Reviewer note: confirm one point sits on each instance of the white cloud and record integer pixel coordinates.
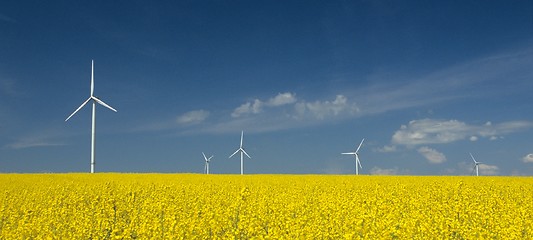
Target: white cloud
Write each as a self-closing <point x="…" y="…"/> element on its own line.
<point x="246" y="108"/>
<point x="282" y="99"/>
<point x="256" y="106"/>
<point x="447" y="84"/>
<point x="323" y="109"/>
<point x="428" y="131"/>
<point x="387" y="171"/>
<point x="35" y="141"/>
<point x="38" y="136"/>
<point x="283" y="111"/>
<point x="467" y="168"/>
<point x="193" y="117"/>
<point x="302" y="110"/>
<point x="336" y="167"/>
<point x="387" y="148"/>
<point x="6" y="18"/>
<point x="431" y="131"/>
<point x="432" y="155"/>
<point x="516" y="172"/>
<point x="485" y="169"/>
<point x="528" y="158"/>
<point x="8" y="87"/>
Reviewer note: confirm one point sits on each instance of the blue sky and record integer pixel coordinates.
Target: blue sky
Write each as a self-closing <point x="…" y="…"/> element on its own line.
<point x="424" y="82"/>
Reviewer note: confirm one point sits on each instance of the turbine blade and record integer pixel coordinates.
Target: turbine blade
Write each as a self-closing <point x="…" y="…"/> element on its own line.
<point x="103" y="103"/>
<point x="473" y="159"/>
<point x="234" y="153"/>
<point x="204" y="156"/>
<point x="360" y="144"/>
<point x="242" y="135"/>
<point x="92" y="77"/>
<point x="357" y="160"/>
<point x="349" y="153"/>
<point x="245" y="153"/>
<point x="83" y="104"/>
<point x="209" y="159"/>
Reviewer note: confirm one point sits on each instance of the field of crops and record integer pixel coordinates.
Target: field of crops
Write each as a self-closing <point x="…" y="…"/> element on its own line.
<point x="181" y="206"/>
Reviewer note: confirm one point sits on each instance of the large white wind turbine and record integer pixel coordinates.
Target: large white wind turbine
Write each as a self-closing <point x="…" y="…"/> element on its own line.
<point x="242" y="151"/>
<point x="356" y="154"/>
<point x="207" y="160"/>
<point x="476" y="165"/>
<point x="94" y="101"/>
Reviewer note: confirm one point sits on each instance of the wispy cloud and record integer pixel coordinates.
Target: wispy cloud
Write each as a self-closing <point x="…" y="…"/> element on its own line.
<point x="434" y="131"/>
<point x="247" y="108"/>
<point x="451" y="83"/>
<point x="448" y="84"/>
<point x="9" y="91"/>
<point x="6" y="18"/>
<point x="193" y="117"/>
<point x="324" y="109"/>
<point x="256" y="106"/>
<point x="485" y="169"/>
<point x="34" y="141"/>
<point x="8" y="87"/>
<point x="528" y="158"/>
<point x="432" y="155"/>
<point x="386" y="149"/>
<point x="285" y="110"/>
<point x="388" y="171"/>
<point x="336" y="167"/>
<point x="37" y="136"/>
<point x="282" y="99"/>
<point x="282" y="111"/>
<point x="467" y="168"/>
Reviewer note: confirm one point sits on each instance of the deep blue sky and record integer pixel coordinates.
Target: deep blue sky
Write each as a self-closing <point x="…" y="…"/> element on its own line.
<point x="425" y="82"/>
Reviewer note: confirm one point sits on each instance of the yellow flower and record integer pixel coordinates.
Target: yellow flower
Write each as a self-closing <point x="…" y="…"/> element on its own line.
<point x="180" y="206"/>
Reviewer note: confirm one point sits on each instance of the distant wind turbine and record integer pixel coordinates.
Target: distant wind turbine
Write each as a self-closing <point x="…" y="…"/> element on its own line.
<point x="476" y="165"/>
<point x="356" y="154"/>
<point x="94" y="101"/>
<point x="207" y="160"/>
<point x="241" y="149"/>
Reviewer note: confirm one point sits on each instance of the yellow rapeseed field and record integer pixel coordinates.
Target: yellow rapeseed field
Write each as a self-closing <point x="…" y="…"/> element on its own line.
<point x="191" y="206"/>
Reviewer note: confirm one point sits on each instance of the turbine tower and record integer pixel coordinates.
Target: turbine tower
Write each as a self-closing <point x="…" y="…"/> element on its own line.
<point x="476" y="165"/>
<point x="241" y="149"/>
<point x="356" y="154"/>
<point x="94" y="100"/>
<point x="207" y="160"/>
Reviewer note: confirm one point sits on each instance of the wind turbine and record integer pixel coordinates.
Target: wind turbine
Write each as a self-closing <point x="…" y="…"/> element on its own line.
<point x="207" y="160"/>
<point x="476" y="165"/>
<point x="94" y="100"/>
<point x="356" y="154"/>
<point x="242" y="151"/>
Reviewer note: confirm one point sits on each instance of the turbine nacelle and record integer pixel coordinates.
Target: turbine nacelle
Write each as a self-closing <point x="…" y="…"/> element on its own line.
<point x="94" y="100"/>
<point x="356" y="155"/>
<point x="476" y="165"/>
<point x="242" y="151"/>
<point x="207" y="160"/>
